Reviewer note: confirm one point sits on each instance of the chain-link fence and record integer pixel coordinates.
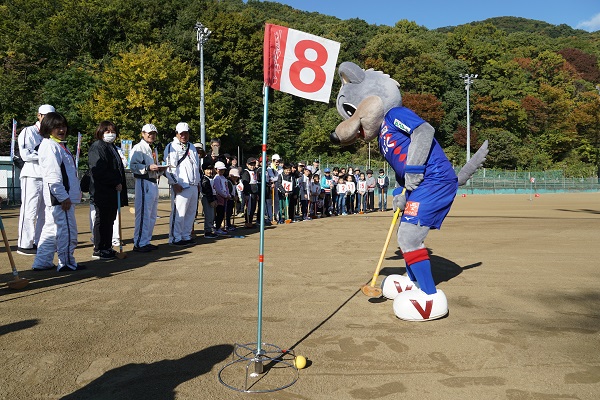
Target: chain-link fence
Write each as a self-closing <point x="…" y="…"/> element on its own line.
<point x="496" y="181"/>
<point x="504" y="181"/>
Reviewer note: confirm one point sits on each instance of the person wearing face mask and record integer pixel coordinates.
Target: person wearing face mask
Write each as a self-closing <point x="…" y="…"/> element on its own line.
<point x="106" y="183"/>
<point x="61" y="193"/>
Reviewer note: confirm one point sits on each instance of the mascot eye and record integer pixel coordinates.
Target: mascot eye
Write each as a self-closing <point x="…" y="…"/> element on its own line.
<point x="349" y="109"/>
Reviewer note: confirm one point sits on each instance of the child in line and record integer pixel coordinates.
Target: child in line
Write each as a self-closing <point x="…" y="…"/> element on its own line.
<point x="371" y="183"/>
<point x="233" y="180"/>
<point x="362" y="193"/>
<point x="304" y="184"/>
<point x="220" y="186"/>
<point x="335" y="175"/>
<point x="383" y="182"/>
<point x="326" y="188"/>
<point x="315" y="191"/>
<point x="287" y="193"/>
<point x="209" y="200"/>
<point x="350" y="193"/>
<point x="341" y="195"/>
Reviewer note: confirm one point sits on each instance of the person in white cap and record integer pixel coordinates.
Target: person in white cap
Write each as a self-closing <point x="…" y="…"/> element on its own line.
<point x="146" y="171"/>
<point x="223" y="196"/>
<point x="273" y="171"/>
<point x="61" y="193"/>
<point x="31" y="217"/>
<point x="183" y="175"/>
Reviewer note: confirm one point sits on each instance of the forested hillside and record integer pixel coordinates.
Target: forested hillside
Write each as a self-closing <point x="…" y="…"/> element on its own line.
<point x="136" y="61"/>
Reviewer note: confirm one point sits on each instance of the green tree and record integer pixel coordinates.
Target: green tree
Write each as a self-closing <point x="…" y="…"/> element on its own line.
<point x="147" y="85"/>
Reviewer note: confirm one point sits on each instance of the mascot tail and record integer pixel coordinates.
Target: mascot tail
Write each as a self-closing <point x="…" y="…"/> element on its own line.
<point x="475" y="162"/>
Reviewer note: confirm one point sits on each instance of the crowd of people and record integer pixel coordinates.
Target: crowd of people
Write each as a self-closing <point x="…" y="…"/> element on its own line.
<point x="50" y="188"/>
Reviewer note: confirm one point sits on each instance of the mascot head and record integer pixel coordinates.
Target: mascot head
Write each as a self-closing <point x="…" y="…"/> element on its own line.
<point x="364" y="99"/>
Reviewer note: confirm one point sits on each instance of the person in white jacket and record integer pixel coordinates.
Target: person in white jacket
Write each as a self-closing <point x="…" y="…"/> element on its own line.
<point x="31" y="217"/>
<point x="61" y="193"/>
<point x="183" y="175"/>
<point x="143" y="162"/>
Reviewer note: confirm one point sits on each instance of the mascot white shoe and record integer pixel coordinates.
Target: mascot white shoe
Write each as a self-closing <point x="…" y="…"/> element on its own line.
<point x="395" y="284"/>
<point x="416" y="305"/>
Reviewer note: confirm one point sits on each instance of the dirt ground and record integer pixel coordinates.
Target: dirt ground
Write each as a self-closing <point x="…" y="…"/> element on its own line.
<point x="522" y="280"/>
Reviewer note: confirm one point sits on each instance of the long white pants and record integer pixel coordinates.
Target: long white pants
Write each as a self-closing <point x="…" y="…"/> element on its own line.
<point x="58" y="235"/>
<point x="183" y="214"/>
<point x="115" y="234"/>
<point x="146" y="209"/>
<point x="31" y="217"/>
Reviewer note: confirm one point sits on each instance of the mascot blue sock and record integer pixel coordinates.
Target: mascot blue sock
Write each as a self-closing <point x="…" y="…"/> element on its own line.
<point x="418" y="268"/>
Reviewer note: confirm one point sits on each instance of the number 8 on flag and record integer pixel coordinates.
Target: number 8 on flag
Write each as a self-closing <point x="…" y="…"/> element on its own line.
<point x="299" y="63"/>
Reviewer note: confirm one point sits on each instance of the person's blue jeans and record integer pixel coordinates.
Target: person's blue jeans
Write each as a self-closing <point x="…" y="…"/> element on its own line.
<point x="383" y="197"/>
<point x="341" y="203"/>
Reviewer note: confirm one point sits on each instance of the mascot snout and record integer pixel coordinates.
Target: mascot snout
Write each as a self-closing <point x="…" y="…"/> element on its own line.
<point x="334" y="138"/>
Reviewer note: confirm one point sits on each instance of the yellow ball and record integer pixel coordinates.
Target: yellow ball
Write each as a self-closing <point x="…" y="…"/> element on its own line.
<point x="300" y="362"/>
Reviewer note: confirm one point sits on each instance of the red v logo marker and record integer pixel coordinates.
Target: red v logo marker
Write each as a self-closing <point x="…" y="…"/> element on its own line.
<point x="399" y="287"/>
<point x="427" y="311"/>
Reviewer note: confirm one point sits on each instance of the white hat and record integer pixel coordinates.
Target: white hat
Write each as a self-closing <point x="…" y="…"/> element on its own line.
<point x="234" y="172"/>
<point x="220" y="165"/>
<point x="275" y="157"/>
<point x="149" y="128"/>
<point x="45" y="109"/>
<point x="182" y="127"/>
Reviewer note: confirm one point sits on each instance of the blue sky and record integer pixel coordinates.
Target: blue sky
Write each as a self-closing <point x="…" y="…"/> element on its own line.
<point x="580" y="14"/>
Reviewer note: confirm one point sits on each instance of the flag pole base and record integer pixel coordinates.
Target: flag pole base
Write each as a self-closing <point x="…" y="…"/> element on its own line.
<point x="253" y="371"/>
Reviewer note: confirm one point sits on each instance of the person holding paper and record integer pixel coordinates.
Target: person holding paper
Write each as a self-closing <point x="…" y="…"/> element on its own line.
<point x="183" y="174"/>
<point x="146" y="171"/>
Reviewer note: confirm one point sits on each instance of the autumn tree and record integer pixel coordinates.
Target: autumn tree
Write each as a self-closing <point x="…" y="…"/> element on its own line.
<point x="585" y="64"/>
<point x="149" y="84"/>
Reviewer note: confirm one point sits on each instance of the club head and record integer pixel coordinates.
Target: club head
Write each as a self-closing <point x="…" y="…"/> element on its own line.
<point x="121" y="255"/>
<point x="371" y="291"/>
<point x="18" y="283"/>
<point x="132" y="210"/>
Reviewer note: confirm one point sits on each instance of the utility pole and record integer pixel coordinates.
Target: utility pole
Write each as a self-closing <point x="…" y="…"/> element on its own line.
<point x="468" y="79"/>
<point x="202" y="34"/>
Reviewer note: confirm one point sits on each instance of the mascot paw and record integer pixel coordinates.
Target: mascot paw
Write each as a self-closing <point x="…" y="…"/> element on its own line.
<point x="395" y="284"/>
<point x="416" y="305"/>
<point x="399" y="201"/>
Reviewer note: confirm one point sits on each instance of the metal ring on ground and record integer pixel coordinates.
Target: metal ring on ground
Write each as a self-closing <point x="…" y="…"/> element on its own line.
<point x="274" y="360"/>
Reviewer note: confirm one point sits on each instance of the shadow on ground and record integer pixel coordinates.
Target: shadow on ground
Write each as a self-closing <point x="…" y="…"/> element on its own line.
<point x="156" y="380"/>
<point x="442" y="269"/>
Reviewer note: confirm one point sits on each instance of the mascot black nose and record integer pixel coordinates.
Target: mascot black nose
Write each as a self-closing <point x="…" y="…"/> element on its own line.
<point x="334" y="138"/>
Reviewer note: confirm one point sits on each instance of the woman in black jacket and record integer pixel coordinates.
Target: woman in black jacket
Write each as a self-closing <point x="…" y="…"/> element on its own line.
<point x="107" y="182"/>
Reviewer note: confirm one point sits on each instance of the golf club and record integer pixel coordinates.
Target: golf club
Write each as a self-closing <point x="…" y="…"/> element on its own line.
<point x="371" y="290"/>
<point x="17" y="283"/>
<point x="120" y="255"/>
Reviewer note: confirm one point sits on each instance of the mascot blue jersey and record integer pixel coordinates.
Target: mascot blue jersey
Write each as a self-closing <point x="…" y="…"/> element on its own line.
<point x="394" y="141"/>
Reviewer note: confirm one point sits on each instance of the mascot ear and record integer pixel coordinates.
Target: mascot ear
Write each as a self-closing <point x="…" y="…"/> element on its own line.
<point x="351" y="73"/>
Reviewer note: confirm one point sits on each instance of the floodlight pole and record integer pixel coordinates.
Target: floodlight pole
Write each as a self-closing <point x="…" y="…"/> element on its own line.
<point x="202" y="35"/>
<point x="468" y="79"/>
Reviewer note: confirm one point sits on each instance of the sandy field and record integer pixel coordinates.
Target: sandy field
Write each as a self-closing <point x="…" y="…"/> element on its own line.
<point x="522" y="279"/>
